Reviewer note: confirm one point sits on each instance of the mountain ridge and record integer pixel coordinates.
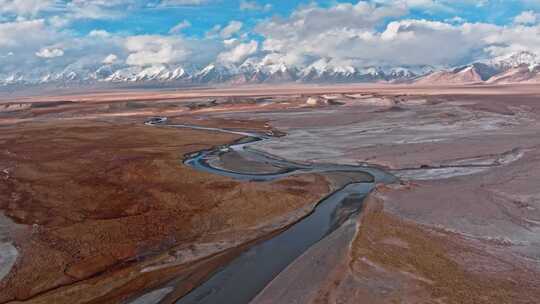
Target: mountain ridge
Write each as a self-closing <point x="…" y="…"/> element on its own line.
<point x="517" y="67"/>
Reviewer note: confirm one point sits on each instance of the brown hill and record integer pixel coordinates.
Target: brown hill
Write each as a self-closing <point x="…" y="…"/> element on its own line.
<point x="515" y="75"/>
<point x="475" y="73"/>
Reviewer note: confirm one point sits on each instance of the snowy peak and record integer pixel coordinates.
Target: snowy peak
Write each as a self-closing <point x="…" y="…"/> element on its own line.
<point x="250" y="71"/>
<point x="520" y="74"/>
<point x="477" y="71"/>
<point x="523" y="58"/>
<point x="214" y="73"/>
<point x="518" y="67"/>
<point x="323" y="72"/>
<point x="137" y="74"/>
<point x="481" y="72"/>
<point x="462" y="75"/>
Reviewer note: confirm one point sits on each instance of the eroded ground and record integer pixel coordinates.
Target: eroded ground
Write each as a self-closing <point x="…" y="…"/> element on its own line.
<point x="93" y="197"/>
<point x="97" y="207"/>
<point x="462" y="227"/>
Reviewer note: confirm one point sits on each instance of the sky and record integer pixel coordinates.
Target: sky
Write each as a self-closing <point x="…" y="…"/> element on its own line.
<point x="41" y="36"/>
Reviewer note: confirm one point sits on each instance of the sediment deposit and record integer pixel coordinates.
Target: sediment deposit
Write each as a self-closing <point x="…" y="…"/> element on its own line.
<point x="96" y="207"/>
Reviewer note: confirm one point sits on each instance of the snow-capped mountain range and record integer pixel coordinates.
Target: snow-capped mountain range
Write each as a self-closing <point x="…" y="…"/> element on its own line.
<point x="518" y="67"/>
<point x="521" y="67"/>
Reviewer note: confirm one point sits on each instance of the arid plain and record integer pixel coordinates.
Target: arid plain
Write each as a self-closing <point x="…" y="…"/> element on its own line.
<point x="97" y="207"/>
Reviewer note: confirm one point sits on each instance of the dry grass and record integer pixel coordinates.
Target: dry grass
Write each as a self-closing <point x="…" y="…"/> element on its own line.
<point x="106" y="194"/>
<point x="431" y="257"/>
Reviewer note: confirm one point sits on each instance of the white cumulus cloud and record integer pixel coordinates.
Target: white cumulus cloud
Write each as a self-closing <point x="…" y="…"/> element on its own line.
<point x="179" y="27"/>
<point x="527" y="17"/>
<point x="184" y="2"/>
<point x="239" y="52"/>
<point x="110" y="59"/>
<point x="232" y="28"/>
<point x="50" y="53"/>
<point x="24" y="7"/>
<point x="246" y="5"/>
<point x="355" y="34"/>
<point x="153" y="49"/>
<point x="362" y="33"/>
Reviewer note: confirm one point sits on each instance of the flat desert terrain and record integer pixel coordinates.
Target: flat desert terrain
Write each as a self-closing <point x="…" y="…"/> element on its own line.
<point x="422" y="194"/>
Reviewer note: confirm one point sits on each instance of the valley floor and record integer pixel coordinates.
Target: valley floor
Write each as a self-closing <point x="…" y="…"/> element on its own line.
<point x="95" y="207"/>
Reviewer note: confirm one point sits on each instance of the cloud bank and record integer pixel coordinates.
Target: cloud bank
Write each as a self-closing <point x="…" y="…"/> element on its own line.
<point x="36" y="36"/>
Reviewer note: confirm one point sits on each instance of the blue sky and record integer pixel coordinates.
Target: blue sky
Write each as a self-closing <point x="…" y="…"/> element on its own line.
<point x="37" y="36"/>
<point x="203" y="17"/>
<point x="158" y="20"/>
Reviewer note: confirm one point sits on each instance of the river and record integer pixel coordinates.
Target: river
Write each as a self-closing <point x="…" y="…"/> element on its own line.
<point x="242" y="279"/>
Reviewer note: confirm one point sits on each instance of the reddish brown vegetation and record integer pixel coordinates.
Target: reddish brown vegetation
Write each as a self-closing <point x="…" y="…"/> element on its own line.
<point x="96" y="197"/>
